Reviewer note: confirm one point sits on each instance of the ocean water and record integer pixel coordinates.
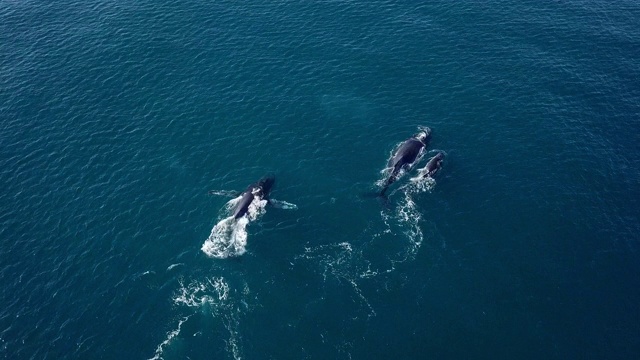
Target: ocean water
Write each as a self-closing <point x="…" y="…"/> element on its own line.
<point x="118" y="117"/>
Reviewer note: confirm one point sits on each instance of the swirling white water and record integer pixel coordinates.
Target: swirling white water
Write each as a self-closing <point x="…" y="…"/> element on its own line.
<point x="212" y="297"/>
<point x="228" y="237"/>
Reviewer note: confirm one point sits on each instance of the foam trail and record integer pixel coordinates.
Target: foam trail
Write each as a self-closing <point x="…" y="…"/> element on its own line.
<point x="197" y="294"/>
<point x="172" y="334"/>
<point x="406" y="217"/>
<point x="215" y="294"/>
<point x="409" y="217"/>
<point x="421" y="184"/>
<point x="340" y="261"/>
<point x="229" y="236"/>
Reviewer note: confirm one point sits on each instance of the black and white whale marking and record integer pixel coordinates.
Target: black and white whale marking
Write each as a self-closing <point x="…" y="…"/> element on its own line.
<point x="259" y="190"/>
<point x="407" y="155"/>
<point x="255" y="193"/>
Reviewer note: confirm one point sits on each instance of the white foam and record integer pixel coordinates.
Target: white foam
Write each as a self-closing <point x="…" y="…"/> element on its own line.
<point x="228" y="237"/>
<point x="409" y="218"/>
<point x="405" y="218"/>
<point x="172" y="334"/>
<point x="256" y="208"/>
<point x="214" y="294"/>
<point x="421" y="184"/>
<point x="424" y="128"/>
<point x="213" y="291"/>
<point x="173" y="266"/>
<point x="342" y="263"/>
<point x="283" y="205"/>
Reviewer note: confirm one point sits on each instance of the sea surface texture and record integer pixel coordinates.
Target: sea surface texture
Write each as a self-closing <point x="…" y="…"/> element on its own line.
<point x="118" y="117"/>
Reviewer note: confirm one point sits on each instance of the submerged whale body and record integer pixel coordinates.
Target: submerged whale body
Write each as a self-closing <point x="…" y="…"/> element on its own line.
<point x="407" y="154"/>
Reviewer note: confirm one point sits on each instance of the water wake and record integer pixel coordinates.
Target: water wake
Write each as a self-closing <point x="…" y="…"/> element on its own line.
<point x="172" y="334"/>
<point x="228" y="237"/>
<point x="382" y="247"/>
<point x="408" y="219"/>
<point x="213" y="296"/>
<point x="213" y="291"/>
<point x="344" y="264"/>
<point x="420" y="184"/>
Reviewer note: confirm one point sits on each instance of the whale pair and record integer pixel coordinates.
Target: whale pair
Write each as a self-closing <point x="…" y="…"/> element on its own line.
<point x="228" y="237"/>
<point x="408" y="154"/>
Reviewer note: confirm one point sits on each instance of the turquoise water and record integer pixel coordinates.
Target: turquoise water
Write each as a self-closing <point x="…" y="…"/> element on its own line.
<point x="117" y="118"/>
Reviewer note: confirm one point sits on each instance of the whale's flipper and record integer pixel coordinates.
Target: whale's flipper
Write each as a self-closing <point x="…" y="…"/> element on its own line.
<point x="227" y="193"/>
<point x="279" y="204"/>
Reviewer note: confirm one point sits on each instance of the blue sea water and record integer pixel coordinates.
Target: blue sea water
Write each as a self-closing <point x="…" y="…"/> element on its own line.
<point x="117" y="118"/>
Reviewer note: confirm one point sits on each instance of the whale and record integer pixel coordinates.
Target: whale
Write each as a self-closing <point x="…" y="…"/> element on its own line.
<point x="407" y="155"/>
<point x="228" y="237"/>
<point x="433" y="165"/>
<point x="259" y="190"/>
<point x="254" y="193"/>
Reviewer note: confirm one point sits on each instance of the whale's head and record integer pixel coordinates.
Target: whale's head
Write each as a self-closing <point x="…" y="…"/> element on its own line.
<point x="423" y="135"/>
<point x="266" y="183"/>
<point x="439" y="156"/>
